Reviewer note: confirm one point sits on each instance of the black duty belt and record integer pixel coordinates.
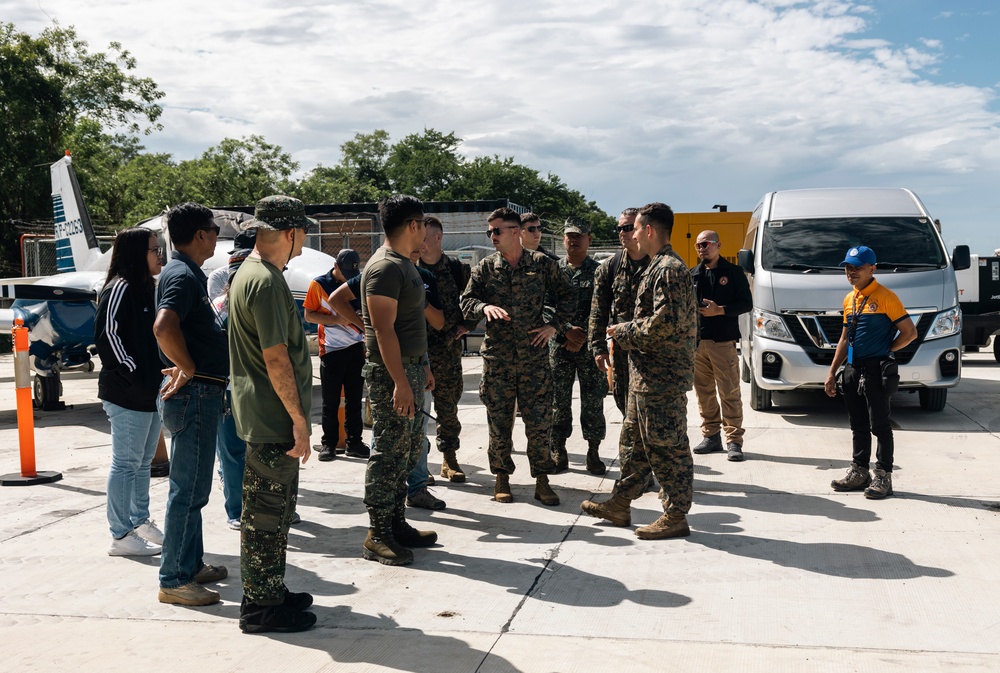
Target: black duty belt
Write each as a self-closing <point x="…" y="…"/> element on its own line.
<point x="211" y="380"/>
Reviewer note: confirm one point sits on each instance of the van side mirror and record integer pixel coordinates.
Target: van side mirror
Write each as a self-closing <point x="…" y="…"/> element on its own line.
<point x="960" y="258"/>
<point x="745" y="259"/>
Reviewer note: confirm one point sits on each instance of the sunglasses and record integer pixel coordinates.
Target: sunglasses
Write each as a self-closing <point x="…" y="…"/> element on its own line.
<point x="704" y="244"/>
<point x="216" y="228"/>
<point x="533" y="229"/>
<point x="624" y="228"/>
<point x="496" y="231"/>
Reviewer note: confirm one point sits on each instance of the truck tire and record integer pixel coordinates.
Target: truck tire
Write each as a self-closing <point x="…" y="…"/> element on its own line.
<point x="747" y="376"/>
<point x="996" y="347"/>
<point x="933" y="399"/>
<point x="760" y="399"/>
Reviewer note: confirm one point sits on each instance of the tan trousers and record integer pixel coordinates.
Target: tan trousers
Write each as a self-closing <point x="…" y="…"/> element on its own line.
<point x="717" y="368"/>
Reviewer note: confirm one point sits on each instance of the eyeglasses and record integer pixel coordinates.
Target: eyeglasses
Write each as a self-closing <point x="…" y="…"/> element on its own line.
<point x="704" y="244"/>
<point x="496" y="231"/>
<point x="533" y="229"/>
<point x="158" y="251"/>
<point x="216" y="228"/>
<point x="624" y="228"/>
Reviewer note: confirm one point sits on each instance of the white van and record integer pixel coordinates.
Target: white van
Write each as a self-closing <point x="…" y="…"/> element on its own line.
<point x="794" y="243"/>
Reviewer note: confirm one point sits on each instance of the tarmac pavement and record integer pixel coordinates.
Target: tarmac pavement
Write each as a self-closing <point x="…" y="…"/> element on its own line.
<point x="780" y="572"/>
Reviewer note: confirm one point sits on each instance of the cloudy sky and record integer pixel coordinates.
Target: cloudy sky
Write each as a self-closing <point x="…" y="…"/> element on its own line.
<point x="692" y="102"/>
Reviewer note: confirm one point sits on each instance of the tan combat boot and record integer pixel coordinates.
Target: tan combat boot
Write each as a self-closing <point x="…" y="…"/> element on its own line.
<point x="501" y="492"/>
<point x="381" y="545"/>
<point x="544" y="492"/>
<point x="667" y="526"/>
<point x="450" y="468"/>
<point x="618" y="510"/>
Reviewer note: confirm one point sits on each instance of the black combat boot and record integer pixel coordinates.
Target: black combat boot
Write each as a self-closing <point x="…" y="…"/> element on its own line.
<point x="594" y="463"/>
<point x="559" y="455"/>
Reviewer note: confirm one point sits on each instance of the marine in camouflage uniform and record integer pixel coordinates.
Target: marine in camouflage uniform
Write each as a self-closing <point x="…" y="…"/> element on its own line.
<point x="661" y="341"/>
<point x="444" y="346"/>
<point x="571" y="359"/>
<point x="271" y="407"/>
<point x="515" y="359"/>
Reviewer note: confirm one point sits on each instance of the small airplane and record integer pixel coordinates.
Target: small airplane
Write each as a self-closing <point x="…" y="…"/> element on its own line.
<point x="59" y="310"/>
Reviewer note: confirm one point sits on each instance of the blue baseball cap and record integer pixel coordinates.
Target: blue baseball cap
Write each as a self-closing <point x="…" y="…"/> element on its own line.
<point x="859" y="256"/>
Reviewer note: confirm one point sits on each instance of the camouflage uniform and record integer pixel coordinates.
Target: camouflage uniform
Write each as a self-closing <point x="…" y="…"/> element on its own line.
<point x="566" y="366"/>
<point x="662" y="338"/>
<point x="513" y="369"/>
<point x="445" y="353"/>
<point x="270" y="490"/>
<point x="614" y="302"/>
<point x="397" y="441"/>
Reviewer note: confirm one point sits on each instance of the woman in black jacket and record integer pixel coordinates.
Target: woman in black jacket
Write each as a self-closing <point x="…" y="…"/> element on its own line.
<point x="128" y="385"/>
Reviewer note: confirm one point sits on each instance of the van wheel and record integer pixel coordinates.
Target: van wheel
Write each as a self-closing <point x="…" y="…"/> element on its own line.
<point x="760" y="399"/>
<point x="747" y="376"/>
<point x="996" y="347"/>
<point x="933" y="399"/>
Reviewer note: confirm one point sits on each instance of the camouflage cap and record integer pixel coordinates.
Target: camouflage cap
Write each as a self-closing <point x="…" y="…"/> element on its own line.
<point x="576" y="227"/>
<point x="279" y="213"/>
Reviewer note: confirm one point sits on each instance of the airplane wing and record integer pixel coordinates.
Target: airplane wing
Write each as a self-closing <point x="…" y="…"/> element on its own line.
<point x="6" y="318"/>
<point x="38" y="292"/>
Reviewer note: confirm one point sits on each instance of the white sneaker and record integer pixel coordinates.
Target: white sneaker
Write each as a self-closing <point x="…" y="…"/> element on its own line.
<point x="133" y="545"/>
<point x="233" y="523"/>
<point x="149" y="531"/>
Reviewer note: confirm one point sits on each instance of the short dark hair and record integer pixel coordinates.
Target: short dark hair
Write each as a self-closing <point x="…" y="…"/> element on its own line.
<point x="184" y="221"/>
<point x="130" y="260"/>
<point x="433" y="223"/>
<point x="505" y="214"/>
<point x="396" y="209"/>
<point x="659" y="215"/>
<point x="530" y="217"/>
<point x="629" y="212"/>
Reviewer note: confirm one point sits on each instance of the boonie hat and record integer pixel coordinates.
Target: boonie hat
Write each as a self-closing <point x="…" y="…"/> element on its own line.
<point x="859" y="256"/>
<point x="279" y="213"/>
<point x="349" y="263"/>
<point x="576" y="227"/>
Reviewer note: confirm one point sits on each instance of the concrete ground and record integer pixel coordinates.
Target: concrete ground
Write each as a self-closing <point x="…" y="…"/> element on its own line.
<point x="780" y="573"/>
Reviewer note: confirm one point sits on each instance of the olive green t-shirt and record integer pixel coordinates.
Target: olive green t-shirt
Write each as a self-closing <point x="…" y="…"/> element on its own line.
<point x="263" y="314"/>
<point x="389" y="274"/>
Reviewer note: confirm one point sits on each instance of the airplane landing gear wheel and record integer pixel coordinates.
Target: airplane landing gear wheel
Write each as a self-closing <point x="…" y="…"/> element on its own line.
<point x="46" y="392"/>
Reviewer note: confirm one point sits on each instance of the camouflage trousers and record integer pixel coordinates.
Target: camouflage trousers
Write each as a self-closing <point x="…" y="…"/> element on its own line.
<point x="529" y="384"/>
<point x="397" y="441"/>
<point x="658" y="424"/>
<point x="270" y="488"/>
<point x="566" y="367"/>
<point x="446" y="365"/>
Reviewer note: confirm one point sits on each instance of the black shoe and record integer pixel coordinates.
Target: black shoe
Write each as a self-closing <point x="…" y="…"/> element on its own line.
<point x="160" y="469"/>
<point x="273" y="618"/>
<point x="710" y="444"/>
<point x="325" y="452"/>
<point x="298" y="602"/>
<point x="358" y="449"/>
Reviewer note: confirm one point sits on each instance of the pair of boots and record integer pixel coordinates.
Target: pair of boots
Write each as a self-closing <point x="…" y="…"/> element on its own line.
<point x="543" y="491"/>
<point x="618" y="511"/>
<point x="561" y="458"/>
<point x="289" y="616"/>
<point x="390" y="535"/>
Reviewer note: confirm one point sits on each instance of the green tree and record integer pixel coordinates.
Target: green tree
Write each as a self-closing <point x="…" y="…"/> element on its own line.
<point x="425" y="165"/>
<point x="238" y="172"/>
<point x="99" y="160"/>
<point x="48" y="84"/>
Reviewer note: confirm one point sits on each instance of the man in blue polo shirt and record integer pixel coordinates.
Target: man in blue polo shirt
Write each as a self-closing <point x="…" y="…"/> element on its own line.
<point x="195" y="356"/>
<point x="875" y="326"/>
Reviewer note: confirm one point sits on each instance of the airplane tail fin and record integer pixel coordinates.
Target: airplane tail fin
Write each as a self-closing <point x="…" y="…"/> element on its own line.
<point x="77" y="248"/>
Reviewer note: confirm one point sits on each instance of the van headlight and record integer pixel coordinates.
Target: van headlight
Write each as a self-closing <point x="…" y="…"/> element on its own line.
<point x="946" y="323"/>
<point x="770" y="326"/>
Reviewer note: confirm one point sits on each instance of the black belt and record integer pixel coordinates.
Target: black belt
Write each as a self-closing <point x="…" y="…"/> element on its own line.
<point x="211" y="381"/>
<point x="411" y="360"/>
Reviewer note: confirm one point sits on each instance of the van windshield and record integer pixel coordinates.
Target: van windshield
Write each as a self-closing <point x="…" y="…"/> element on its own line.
<point x="900" y="243"/>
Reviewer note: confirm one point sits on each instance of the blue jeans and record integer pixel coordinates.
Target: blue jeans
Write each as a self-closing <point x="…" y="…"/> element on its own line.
<point x="192" y="418"/>
<point x="133" y="442"/>
<point x="417" y="479"/>
<point x="232" y="452"/>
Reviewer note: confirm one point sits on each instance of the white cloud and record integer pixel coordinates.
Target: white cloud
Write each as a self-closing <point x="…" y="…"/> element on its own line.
<point x="693" y="102"/>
